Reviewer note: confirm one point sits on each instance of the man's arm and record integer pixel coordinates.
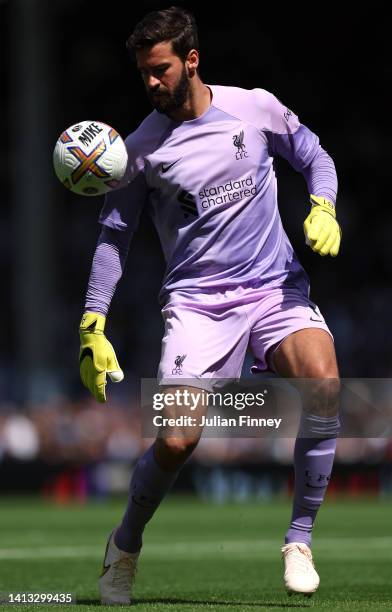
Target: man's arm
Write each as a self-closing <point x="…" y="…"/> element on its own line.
<point x="322" y="232"/>
<point x="119" y="217"/>
<point x="320" y="176"/>
<point x="107" y="268"/>
<point x="97" y="357"/>
<point x="297" y="144"/>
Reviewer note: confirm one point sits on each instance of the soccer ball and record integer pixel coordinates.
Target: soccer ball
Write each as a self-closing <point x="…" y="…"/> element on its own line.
<point x="90" y="158"/>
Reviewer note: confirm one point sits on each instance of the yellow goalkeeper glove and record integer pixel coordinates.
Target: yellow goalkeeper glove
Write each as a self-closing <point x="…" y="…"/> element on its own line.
<point x="322" y="231"/>
<point x="97" y="357"/>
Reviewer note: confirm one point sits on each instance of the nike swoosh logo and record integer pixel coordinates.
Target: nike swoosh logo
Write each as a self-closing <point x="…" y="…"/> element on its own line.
<point x="87" y="352"/>
<point x="166" y="168"/>
<point x="315" y="310"/>
<point x="105" y="569"/>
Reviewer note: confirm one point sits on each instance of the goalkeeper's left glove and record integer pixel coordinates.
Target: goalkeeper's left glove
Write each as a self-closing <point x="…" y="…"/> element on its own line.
<point x="322" y="231"/>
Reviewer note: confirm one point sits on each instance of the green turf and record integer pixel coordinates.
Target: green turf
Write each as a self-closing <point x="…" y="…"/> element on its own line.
<point x="199" y="556"/>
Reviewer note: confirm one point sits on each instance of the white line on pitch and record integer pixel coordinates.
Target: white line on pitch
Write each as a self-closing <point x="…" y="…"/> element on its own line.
<point x="258" y="548"/>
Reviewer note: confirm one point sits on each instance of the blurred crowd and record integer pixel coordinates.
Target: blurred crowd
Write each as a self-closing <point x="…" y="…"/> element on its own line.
<point x="84" y="432"/>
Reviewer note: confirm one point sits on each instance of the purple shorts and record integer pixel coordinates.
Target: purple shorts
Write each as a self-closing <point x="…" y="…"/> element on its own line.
<point x="207" y="334"/>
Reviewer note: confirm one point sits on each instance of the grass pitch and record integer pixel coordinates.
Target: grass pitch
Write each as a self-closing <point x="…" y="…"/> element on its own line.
<point x="199" y="556"/>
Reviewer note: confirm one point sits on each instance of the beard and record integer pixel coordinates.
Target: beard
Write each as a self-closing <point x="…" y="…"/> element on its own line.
<point x="165" y="102"/>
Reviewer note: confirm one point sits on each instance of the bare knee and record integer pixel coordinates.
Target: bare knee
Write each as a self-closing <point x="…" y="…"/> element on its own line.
<point x="324" y="395"/>
<point x="179" y="447"/>
<point x="171" y="453"/>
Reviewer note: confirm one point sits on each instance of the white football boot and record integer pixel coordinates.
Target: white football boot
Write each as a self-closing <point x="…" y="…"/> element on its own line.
<point x="300" y="575"/>
<point x="118" y="574"/>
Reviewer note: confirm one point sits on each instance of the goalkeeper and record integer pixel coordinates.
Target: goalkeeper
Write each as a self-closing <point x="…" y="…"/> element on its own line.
<point x="203" y="164"/>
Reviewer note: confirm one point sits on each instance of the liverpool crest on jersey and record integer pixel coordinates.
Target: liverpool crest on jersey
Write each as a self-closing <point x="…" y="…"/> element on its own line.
<point x="238" y="142"/>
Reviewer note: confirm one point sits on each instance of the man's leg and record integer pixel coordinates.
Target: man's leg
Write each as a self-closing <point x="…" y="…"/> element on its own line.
<point x="212" y="345"/>
<point x="205" y="338"/>
<point x="309" y="353"/>
<point x="154" y="475"/>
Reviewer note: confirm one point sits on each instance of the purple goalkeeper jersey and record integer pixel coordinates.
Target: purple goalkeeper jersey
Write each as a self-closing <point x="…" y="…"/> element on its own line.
<point x="211" y="189"/>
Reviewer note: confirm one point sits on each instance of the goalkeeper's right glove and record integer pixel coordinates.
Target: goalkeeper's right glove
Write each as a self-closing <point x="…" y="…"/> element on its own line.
<point x="97" y="356"/>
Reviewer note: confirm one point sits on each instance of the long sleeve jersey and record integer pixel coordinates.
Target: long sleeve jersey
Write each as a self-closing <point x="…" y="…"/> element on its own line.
<point x="211" y="189"/>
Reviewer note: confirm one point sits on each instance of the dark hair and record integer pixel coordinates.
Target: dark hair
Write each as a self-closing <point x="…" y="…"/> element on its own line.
<point x="174" y="24"/>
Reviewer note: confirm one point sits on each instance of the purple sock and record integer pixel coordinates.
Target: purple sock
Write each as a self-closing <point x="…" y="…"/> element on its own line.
<point x="313" y="460"/>
<point x="149" y="485"/>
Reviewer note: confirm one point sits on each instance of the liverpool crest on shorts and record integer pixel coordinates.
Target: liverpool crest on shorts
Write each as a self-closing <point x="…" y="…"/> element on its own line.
<point x="179" y="360"/>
